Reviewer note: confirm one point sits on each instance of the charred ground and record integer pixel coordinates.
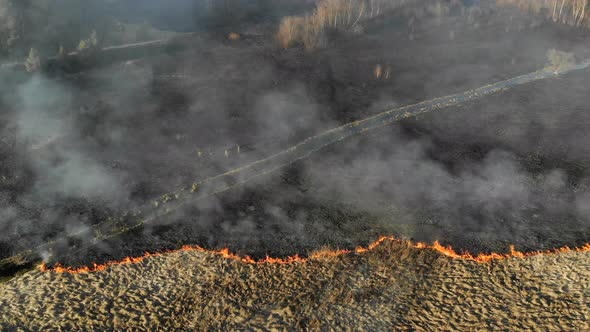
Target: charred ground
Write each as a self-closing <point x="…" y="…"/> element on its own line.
<point x="159" y="123"/>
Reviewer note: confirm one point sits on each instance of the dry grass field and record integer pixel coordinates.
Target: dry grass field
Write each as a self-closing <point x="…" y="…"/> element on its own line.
<point x="392" y="287"/>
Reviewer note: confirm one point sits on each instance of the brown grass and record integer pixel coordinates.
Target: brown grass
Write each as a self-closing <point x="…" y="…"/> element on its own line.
<point x="309" y="30"/>
<point x="572" y="12"/>
<point x="335" y="14"/>
<point x="394" y="287"/>
<point x="290" y="31"/>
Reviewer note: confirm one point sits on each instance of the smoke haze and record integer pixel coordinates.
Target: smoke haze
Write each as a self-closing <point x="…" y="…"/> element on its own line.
<point x="509" y="168"/>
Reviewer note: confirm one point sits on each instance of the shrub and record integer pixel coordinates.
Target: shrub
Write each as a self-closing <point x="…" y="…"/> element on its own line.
<point x="61" y="52"/>
<point x="33" y="61"/>
<point x="382" y="72"/>
<point x="233" y="36"/>
<point x="82" y="45"/>
<point x="558" y="59"/>
<point x="90" y="43"/>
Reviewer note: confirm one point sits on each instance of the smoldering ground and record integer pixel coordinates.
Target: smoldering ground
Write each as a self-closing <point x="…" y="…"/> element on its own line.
<point x="502" y="170"/>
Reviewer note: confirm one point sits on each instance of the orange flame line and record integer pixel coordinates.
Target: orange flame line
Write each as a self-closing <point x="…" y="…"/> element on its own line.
<point x="225" y="253"/>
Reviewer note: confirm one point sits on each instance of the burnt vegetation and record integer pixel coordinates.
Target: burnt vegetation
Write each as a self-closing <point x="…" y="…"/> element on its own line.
<point x="109" y="106"/>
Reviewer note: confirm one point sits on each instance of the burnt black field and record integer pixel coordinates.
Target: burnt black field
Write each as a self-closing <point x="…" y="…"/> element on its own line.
<point x="512" y="168"/>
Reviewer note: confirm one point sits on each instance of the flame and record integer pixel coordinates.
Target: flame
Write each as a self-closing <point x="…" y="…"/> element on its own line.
<point x="317" y="255"/>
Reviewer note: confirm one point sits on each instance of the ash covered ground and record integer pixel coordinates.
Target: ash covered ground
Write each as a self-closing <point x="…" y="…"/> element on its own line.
<point x="78" y="148"/>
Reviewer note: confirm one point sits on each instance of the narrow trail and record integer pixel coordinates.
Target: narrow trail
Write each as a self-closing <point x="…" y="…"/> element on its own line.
<point x="173" y="201"/>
